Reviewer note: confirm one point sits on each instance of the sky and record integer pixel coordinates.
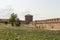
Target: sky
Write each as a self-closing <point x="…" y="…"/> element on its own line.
<point x="40" y="9"/>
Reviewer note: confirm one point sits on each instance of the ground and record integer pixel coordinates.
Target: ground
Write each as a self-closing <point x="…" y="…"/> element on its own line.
<point x="27" y="33"/>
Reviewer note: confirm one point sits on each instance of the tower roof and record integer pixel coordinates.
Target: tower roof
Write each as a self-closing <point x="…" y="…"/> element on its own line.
<point x="28" y="15"/>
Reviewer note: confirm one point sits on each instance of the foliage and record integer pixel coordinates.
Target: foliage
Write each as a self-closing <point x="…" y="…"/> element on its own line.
<point x="6" y="22"/>
<point x="12" y="19"/>
<point x="17" y="23"/>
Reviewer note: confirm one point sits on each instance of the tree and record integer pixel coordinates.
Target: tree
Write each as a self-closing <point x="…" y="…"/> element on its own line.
<point x="17" y="23"/>
<point x="12" y="19"/>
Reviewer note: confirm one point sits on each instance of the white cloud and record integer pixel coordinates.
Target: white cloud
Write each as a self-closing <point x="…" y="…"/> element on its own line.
<point x="41" y="9"/>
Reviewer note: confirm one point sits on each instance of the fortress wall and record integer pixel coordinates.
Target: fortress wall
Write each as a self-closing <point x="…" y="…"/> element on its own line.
<point x="49" y="26"/>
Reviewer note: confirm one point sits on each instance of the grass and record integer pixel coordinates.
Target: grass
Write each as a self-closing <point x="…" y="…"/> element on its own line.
<point x="19" y="33"/>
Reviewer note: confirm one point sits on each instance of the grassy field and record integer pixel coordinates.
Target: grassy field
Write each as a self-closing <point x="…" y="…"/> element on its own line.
<point x="27" y="33"/>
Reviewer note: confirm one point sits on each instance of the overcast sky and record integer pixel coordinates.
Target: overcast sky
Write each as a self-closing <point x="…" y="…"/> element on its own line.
<point x="40" y="9"/>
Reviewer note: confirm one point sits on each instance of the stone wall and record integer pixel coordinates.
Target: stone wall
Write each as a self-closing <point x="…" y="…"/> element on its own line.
<point x="50" y="24"/>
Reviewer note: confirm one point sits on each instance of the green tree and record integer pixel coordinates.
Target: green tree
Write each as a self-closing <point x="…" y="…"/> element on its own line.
<point x="17" y="23"/>
<point x="12" y="19"/>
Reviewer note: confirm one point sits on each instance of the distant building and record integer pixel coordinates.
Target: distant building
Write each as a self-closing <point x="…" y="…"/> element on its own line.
<point x="3" y="20"/>
<point x="50" y="24"/>
<point x="22" y="21"/>
<point x="28" y="18"/>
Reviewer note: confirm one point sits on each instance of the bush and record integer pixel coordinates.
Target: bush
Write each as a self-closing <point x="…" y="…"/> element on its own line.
<point x="6" y="22"/>
<point x="17" y="23"/>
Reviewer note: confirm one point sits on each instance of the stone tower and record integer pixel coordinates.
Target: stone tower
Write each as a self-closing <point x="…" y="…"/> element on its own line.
<point x="28" y="18"/>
